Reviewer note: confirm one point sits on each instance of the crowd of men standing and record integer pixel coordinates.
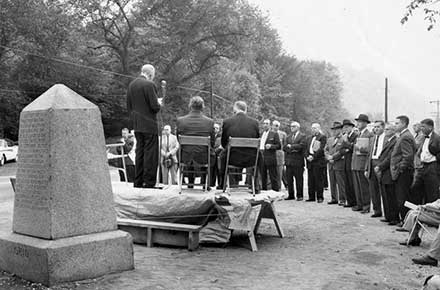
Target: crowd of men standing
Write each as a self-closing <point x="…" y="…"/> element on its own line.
<point x="383" y="166"/>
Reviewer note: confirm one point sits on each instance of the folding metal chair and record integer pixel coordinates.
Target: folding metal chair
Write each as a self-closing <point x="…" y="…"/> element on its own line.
<point x="235" y="142"/>
<point x="185" y="140"/>
<point x="117" y="156"/>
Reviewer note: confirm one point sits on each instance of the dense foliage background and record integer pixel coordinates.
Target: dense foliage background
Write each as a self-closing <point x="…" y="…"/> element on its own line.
<point x="226" y="44"/>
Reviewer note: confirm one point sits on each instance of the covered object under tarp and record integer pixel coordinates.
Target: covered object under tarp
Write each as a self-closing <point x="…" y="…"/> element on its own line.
<point x="165" y="205"/>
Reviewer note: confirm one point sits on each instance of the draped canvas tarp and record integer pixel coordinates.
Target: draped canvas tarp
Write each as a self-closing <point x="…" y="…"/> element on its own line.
<point x="218" y="214"/>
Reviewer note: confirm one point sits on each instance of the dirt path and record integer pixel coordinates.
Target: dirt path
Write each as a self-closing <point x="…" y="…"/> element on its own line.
<point x="326" y="247"/>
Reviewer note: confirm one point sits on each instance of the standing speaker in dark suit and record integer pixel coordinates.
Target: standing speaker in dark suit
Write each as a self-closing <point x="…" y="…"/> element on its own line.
<point x="425" y="187"/>
<point x="316" y="163"/>
<point x="295" y="148"/>
<point x="270" y="143"/>
<point x="241" y="126"/>
<point x="402" y="163"/>
<point x="142" y="106"/>
<point x="382" y="169"/>
<point x="196" y="124"/>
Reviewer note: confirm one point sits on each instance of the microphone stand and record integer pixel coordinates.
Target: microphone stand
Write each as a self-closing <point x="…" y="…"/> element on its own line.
<point x="159" y="185"/>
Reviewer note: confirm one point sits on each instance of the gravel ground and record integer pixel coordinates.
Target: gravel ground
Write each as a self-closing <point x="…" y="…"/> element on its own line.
<point x="326" y="247"/>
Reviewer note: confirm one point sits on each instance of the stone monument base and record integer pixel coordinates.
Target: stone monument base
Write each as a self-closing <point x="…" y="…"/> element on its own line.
<point x="68" y="259"/>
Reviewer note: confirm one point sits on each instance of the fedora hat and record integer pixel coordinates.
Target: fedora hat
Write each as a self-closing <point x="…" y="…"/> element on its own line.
<point x="347" y="122"/>
<point x="363" y="118"/>
<point x="336" y="125"/>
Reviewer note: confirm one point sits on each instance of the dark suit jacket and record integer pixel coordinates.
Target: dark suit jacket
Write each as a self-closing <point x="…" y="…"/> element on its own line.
<point x="196" y="124"/>
<point x="359" y="160"/>
<point x="336" y="150"/>
<point x="240" y="125"/>
<point x="384" y="160"/>
<point x="142" y="105"/>
<point x="270" y="155"/>
<point x="402" y="157"/>
<point x="368" y="165"/>
<point x="295" y="154"/>
<point x="347" y="149"/>
<point x="318" y="156"/>
<point x="433" y="146"/>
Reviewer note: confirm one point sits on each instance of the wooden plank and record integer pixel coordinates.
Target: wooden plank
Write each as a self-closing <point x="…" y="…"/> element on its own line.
<point x="160" y="225"/>
<point x="194" y="140"/>
<point x="151" y="236"/>
<point x="193" y="240"/>
<point x="252" y="241"/>
<point x="170" y="238"/>
<point x="244" y="142"/>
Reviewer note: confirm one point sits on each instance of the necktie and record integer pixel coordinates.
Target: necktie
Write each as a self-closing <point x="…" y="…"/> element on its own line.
<point x="376" y="144"/>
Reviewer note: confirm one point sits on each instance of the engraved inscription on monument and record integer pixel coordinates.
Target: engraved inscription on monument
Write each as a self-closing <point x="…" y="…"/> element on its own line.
<point x="32" y="172"/>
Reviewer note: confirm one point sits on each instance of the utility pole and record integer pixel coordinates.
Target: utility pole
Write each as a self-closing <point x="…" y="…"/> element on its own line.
<point x="212" y="100"/>
<point x="437" y="118"/>
<point x="386" y="99"/>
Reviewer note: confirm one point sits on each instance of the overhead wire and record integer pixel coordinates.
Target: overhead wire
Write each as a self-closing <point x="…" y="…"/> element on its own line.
<point x="100" y="70"/>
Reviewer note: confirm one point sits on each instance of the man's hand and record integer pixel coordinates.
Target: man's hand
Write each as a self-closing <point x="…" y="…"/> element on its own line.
<point x="366" y="174"/>
<point x="160" y="100"/>
<point x="377" y="169"/>
<point x="267" y="146"/>
<point x="309" y="158"/>
<point x="289" y="146"/>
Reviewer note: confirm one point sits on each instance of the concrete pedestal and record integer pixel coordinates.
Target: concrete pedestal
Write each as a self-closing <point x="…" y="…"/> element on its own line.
<point x="67" y="259"/>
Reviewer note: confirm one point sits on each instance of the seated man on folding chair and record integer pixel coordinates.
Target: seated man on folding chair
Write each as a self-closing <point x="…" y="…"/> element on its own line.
<point x="243" y="126"/>
<point x="196" y="124"/>
<point x="428" y="214"/>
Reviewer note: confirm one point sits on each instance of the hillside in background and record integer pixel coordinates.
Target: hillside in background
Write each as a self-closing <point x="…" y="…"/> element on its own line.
<point x="363" y="92"/>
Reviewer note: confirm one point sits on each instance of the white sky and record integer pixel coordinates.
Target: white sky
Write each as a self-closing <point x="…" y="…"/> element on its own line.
<point x="361" y="33"/>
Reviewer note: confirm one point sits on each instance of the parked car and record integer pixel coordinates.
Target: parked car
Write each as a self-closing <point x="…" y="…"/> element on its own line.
<point x="8" y="151"/>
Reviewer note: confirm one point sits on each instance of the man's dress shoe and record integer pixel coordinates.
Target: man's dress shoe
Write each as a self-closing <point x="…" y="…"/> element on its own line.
<point x="425" y="260"/>
<point x="355" y="208"/>
<point x="320" y="200"/>
<point x="375" y="215"/>
<point x="309" y="200"/>
<point x="332" y="202"/>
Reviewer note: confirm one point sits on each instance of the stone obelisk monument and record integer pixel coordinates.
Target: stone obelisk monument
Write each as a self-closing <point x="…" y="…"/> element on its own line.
<point x="64" y="222"/>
